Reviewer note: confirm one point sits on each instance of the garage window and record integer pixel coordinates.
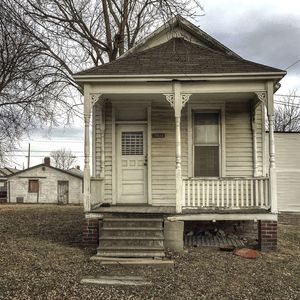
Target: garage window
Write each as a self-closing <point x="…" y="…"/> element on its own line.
<point x="33" y="186"/>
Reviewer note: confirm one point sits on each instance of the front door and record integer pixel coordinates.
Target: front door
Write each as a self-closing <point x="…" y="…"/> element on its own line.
<point x="63" y="192"/>
<point x="131" y="154"/>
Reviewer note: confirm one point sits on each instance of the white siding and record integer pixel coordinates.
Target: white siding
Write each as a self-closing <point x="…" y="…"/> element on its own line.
<point x="163" y="154"/>
<point x="18" y="187"/>
<point x="287" y="155"/>
<point x="238" y="140"/>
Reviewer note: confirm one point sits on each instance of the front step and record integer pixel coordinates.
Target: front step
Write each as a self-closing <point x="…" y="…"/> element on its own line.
<point x="131" y="237"/>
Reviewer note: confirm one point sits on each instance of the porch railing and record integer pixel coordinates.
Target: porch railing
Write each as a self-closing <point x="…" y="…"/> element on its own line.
<point x="225" y="192"/>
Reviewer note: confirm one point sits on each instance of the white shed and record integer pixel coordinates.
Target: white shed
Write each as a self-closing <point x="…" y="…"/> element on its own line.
<point x="45" y="184"/>
<point x="287" y="150"/>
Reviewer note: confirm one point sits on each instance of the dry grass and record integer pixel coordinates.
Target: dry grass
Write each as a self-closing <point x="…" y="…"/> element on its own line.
<point x="41" y="258"/>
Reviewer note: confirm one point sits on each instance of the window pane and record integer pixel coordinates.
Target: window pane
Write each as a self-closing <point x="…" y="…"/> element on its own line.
<point x="206" y="161"/>
<point x="206" y="128"/>
<point x="33" y="186"/>
<point x="132" y="143"/>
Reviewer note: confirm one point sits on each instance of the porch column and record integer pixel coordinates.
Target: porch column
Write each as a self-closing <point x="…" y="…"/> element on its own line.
<point x="177" y="101"/>
<point x="272" y="170"/>
<point x="254" y="141"/>
<point x="89" y="101"/>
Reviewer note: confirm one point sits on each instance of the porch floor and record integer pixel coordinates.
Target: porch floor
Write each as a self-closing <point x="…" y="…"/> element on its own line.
<point x="149" y="209"/>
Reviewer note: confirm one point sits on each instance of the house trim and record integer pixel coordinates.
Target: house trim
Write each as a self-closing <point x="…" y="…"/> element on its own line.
<point x="149" y="152"/>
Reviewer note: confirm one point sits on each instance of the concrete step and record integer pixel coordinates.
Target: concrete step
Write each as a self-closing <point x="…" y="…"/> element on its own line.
<point x="132" y="222"/>
<point x="131" y="241"/>
<point x="149" y="262"/>
<point x="131" y="253"/>
<point x="132" y="232"/>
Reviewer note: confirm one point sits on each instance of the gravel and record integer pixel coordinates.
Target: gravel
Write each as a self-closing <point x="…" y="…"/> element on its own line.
<point x="41" y="257"/>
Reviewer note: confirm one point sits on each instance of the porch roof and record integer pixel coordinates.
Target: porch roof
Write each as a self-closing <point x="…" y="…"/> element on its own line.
<point x="179" y="56"/>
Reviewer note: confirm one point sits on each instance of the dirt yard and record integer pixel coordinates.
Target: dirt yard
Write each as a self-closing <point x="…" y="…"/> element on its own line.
<point x="41" y="258"/>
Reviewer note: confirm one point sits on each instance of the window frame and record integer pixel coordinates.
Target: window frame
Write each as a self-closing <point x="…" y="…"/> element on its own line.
<point x="38" y="186"/>
<point x="213" y="107"/>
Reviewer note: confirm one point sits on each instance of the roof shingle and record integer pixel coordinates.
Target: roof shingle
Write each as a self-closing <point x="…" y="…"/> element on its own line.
<point x="178" y="56"/>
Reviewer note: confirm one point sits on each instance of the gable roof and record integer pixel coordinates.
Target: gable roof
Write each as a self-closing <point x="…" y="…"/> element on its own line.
<point x="196" y="53"/>
<point x="43" y="165"/>
<point x="178" y="56"/>
<point x="4" y="172"/>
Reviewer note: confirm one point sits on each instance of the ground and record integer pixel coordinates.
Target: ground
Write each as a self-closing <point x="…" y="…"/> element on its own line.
<point x="41" y="257"/>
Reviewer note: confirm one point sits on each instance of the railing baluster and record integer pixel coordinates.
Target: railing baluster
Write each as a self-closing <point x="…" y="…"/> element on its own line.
<point x="247" y="193"/>
<point x="218" y="191"/>
<point x="203" y="193"/>
<point x="237" y="193"/>
<point x="189" y="193"/>
<point x="261" y="193"/>
<point x="193" y="192"/>
<point x="198" y="193"/>
<point x="242" y="192"/>
<point x="267" y="192"/>
<point x="232" y="197"/>
<point x="213" y="192"/>
<point x="256" y="193"/>
<point x="207" y="186"/>
<point x="251" y="193"/>
<point x="183" y="193"/>
<point x="222" y="193"/>
<point x="227" y="193"/>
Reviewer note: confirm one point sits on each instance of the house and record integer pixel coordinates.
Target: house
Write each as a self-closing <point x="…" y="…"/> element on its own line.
<point x="45" y="184"/>
<point x="4" y="172"/>
<point x="177" y="136"/>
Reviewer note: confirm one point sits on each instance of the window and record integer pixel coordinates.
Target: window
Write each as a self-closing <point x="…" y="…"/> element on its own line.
<point x="132" y="143"/>
<point x="206" y="131"/>
<point x="33" y="186"/>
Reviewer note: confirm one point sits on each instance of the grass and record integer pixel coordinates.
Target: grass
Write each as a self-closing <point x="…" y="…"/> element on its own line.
<point x="41" y="257"/>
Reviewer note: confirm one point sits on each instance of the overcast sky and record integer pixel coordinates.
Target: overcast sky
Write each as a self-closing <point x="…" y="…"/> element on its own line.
<point x="265" y="31"/>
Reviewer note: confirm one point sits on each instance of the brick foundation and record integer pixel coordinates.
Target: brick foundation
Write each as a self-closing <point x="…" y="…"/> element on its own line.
<point x="267" y="235"/>
<point x="90" y="231"/>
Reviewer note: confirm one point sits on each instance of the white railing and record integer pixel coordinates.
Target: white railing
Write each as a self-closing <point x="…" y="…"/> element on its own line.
<point x="225" y="192"/>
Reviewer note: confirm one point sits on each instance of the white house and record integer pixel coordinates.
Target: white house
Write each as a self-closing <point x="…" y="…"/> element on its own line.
<point x="178" y="134"/>
<point x="45" y="184"/>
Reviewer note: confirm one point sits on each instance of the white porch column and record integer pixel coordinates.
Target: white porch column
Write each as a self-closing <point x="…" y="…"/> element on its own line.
<point x="89" y="101"/>
<point x="272" y="170"/>
<point x="177" y="101"/>
<point x="254" y="141"/>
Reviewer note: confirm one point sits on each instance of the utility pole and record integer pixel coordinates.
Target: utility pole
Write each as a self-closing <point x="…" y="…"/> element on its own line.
<point x="28" y="157"/>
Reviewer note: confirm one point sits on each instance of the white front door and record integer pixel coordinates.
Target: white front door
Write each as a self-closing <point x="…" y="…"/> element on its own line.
<point x="131" y="153"/>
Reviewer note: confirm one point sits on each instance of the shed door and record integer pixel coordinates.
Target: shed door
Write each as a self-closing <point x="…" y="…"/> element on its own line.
<point x="131" y="164"/>
<point x="63" y="192"/>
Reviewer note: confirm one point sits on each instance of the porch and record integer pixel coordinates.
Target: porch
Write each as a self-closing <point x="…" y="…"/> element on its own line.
<point x="167" y="163"/>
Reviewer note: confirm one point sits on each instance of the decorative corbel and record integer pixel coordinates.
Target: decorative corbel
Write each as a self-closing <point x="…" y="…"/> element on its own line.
<point x="170" y="98"/>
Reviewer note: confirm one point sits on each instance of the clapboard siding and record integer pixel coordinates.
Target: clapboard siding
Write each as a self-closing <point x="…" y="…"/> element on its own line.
<point x="287" y="156"/>
<point x="238" y="140"/>
<point x="163" y="153"/>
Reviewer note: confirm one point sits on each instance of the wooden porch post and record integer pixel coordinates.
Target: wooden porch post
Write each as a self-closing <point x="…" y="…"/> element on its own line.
<point x="86" y="172"/>
<point x="254" y="140"/>
<point x="272" y="170"/>
<point x="177" y="101"/>
<point x="89" y="101"/>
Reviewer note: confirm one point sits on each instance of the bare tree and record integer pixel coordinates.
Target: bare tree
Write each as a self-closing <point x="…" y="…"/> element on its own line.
<point x="43" y="43"/>
<point x="287" y="114"/>
<point x="63" y="158"/>
<point x="32" y="93"/>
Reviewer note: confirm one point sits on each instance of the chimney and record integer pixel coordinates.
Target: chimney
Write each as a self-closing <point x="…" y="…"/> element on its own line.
<point x="47" y="161"/>
<point x="78" y="167"/>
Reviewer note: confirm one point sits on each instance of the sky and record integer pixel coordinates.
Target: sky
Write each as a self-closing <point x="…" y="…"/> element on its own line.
<point x="265" y="31"/>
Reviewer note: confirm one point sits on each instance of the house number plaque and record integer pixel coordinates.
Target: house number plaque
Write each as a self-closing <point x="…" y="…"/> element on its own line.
<point x="158" y="135"/>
